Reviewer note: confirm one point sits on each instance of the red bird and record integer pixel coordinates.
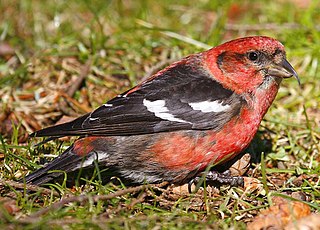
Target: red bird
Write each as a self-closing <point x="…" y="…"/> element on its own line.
<point x="200" y="111"/>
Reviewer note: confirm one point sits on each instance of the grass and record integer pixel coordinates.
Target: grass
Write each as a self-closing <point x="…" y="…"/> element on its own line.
<point x="52" y="41"/>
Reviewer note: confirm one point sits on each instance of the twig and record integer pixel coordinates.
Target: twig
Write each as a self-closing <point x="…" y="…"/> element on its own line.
<point x="137" y="201"/>
<point x="132" y="203"/>
<point x="71" y="101"/>
<point x="75" y="86"/>
<point x="78" y="82"/>
<point x="101" y="221"/>
<point x="95" y="198"/>
<point x="34" y="188"/>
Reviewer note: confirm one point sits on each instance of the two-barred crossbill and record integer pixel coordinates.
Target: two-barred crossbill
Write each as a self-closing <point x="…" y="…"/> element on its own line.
<point x="202" y="110"/>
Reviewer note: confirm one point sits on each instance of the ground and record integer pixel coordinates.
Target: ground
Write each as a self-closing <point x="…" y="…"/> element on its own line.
<point x="60" y="59"/>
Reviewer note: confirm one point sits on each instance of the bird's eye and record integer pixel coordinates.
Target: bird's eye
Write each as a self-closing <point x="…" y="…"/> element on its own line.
<point x="253" y="56"/>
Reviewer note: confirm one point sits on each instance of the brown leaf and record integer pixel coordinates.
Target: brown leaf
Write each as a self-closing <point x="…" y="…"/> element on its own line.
<point x="252" y="184"/>
<point x="279" y="214"/>
<point x="8" y="123"/>
<point x="9" y="205"/>
<point x="181" y="190"/>
<point x="311" y="222"/>
<point x="241" y="166"/>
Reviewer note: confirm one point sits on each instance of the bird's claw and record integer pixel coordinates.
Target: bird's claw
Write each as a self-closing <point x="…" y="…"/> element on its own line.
<point x="213" y="177"/>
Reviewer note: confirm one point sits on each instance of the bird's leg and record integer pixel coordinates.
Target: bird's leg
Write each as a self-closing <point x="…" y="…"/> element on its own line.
<point x="214" y="177"/>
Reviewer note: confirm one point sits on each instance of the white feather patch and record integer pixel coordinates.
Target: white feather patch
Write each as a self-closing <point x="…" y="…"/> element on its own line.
<point x="209" y="106"/>
<point x="93" y="118"/>
<point x="95" y="156"/>
<point x="160" y="110"/>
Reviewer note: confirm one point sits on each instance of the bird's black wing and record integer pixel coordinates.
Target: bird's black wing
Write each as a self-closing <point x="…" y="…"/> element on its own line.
<point x="183" y="96"/>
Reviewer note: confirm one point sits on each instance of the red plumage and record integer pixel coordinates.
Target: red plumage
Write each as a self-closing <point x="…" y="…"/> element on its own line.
<point x="200" y="111"/>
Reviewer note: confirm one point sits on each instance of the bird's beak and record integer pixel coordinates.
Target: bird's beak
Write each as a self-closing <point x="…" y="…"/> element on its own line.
<point x="284" y="70"/>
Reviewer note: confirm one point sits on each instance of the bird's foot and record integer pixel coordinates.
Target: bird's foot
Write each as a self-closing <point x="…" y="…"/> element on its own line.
<point x="213" y="177"/>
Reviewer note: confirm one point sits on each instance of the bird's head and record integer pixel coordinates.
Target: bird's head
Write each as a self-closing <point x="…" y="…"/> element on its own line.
<point x="250" y="63"/>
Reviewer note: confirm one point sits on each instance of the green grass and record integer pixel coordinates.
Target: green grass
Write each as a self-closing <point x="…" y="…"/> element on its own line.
<point x="122" y="41"/>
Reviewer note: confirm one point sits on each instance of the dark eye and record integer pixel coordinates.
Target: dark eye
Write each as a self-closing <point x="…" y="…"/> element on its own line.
<point x="253" y="56"/>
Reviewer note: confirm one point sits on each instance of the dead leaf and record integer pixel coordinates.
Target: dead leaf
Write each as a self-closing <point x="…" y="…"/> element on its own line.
<point x="9" y="205"/>
<point x="241" y="166"/>
<point x="252" y="184"/>
<point x="311" y="222"/>
<point x="10" y="122"/>
<point x="182" y="190"/>
<point x="279" y="214"/>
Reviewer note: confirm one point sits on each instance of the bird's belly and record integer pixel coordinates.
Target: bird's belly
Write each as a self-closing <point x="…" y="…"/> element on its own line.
<point x="190" y="150"/>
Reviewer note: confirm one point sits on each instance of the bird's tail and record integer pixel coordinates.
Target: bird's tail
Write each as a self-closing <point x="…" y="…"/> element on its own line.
<point x="68" y="161"/>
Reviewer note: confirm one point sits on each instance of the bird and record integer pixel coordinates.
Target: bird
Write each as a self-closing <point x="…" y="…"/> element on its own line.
<point x="198" y="112"/>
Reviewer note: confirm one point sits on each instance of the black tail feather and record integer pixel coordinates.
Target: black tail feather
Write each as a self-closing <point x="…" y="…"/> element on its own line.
<point x="67" y="161"/>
